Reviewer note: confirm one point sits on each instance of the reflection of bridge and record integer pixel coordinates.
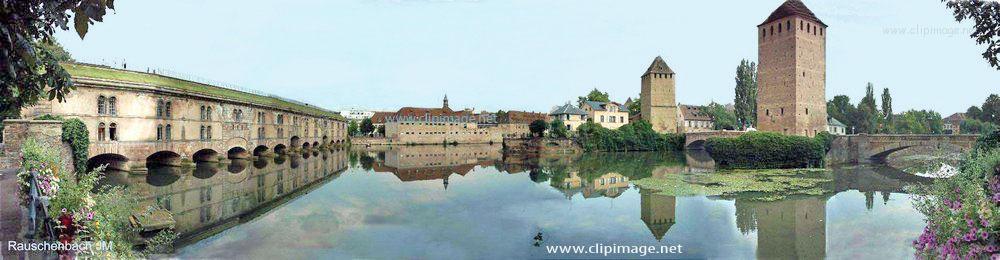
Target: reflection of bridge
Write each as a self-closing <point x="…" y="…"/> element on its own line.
<point x="696" y="140"/>
<point x="863" y="147"/>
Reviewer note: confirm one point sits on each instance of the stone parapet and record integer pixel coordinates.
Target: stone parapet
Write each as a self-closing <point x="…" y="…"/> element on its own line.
<point x="17" y="131"/>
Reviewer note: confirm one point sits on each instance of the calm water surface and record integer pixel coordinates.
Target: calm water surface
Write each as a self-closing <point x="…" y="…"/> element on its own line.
<point x="435" y="202"/>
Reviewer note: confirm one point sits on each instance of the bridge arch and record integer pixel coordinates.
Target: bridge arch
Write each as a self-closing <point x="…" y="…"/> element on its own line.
<point x="260" y="163"/>
<point x="163" y="158"/>
<point x="315" y="144"/>
<point x="163" y="176"/>
<point x="205" y="155"/>
<point x="280" y="149"/>
<point x="238" y="166"/>
<point x="696" y="145"/>
<point x="205" y="170"/>
<point x="113" y="161"/>
<point x="305" y="145"/>
<point x="260" y="150"/>
<point x="295" y="142"/>
<point x="237" y="153"/>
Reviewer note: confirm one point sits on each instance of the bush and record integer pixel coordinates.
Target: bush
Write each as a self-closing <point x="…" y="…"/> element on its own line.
<point x="635" y="136"/>
<point x="761" y="150"/>
<point x="538" y="127"/>
<point x="558" y="129"/>
<point x="963" y="212"/>
<point x="75" y="133"/>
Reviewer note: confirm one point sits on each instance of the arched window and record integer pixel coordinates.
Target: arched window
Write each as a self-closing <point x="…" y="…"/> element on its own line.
<point x="159" y="108"/>
<point x="113" y="132"/>
<point x="202" y="117"/>
<point x="208" y="132"/>
<point x="166" y="133"/>
<point x="166" y="110"/>
<point x="100" y="132"/>
<point x="788" y="25"/>
<point x="208" y="113"/>
<point x="159" y="132"/>
<point x="101" y="108"/>
<point x="772" y="29"/>
<point x="201" y="136"/>
<point x="112" y="108"/>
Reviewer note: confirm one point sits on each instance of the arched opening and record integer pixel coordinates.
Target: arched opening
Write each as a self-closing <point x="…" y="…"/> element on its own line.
<point x="205" y="170"/>
<point x="280" y="149"/>
<point x="238" y="153"/>
<point x="260" y="150"/>
<point x="163" y="158"/>
<point x="260" y="163"/>
<point x="205" y="155"/>
<point x="163" y="176"/>
<point x="696" y="145"/>
<point x="238" y="165"/>
<point x="326" y="139"/>
<point x="295" y="142"/>
<point x="113" y="161"/>
<point x="315" y="145"/>
<point x="305" y="146"/>
<point x="279" y="160"/>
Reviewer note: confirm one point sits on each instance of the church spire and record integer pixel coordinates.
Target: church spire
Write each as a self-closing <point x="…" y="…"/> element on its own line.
<point x="445" y="106"/>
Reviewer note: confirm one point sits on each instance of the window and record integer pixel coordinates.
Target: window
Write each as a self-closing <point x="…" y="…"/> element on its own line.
<point x="100" y="132"/>
<point x="807" y="111"/>
<point x="208" y="113"/>
<point x="112" y="108"/>
<point x="201" y="136"/>
<point x="202" y="114"/>
<point x="113" y="132"/>
<point x="820" y="31"/>
<point x="159" y="108"/>
<point x="101" y="109"/>
<point x="788" y="25"/>
<point x="801" y="24"/>
<point x="772" y="29"/>
<point x="782" y="111"/>
<point x="166" y="133"/>
<point x="159" y="132"/>
<point x="208" y="132"/>
<point x="779" y="29"/>
<point x="167" y="110"/>
<point x="602" y="119"/>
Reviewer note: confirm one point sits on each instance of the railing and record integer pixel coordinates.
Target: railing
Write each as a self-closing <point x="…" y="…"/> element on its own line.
<point x="38" y="205"/>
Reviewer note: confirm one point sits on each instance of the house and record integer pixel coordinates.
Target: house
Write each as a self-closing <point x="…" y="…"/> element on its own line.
<point x="953" y="123"/>
<point x="610" y="115"/>
<point x="696" y="119"/>
<point x="835" y="127"/>
<point x="571" y="116"/>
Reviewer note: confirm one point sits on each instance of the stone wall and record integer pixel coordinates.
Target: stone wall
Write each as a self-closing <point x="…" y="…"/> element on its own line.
<point x="440" y="132"/>
<point x="659" y="104"/>
<point x="48" y="132"/>
<point x="540" y="147"/>
<point x="791" y="77"/>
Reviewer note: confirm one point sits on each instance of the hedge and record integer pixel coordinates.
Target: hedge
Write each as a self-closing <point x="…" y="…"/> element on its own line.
<point x="635" y="136"/>
<point x="760" y="150"/>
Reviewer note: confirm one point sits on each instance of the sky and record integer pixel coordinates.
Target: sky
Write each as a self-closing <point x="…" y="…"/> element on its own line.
<point x="529" y="54"/>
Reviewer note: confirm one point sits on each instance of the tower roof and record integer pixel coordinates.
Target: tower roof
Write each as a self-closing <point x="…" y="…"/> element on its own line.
<point x="792" y="8"/>
<point x="659" y="66"/>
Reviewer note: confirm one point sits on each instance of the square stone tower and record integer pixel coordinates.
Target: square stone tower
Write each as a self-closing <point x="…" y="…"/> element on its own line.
<point x="791" y="76"/>
<point x="658" y="97"/>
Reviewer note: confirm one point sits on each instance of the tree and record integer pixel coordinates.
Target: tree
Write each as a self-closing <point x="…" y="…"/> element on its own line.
<point x="352" y="128"/>
<point x="886" y="110"/>
<point x="366" y="126"/>
<point x="840" y="108"/>
<point x="558" y="129"/>
<point x="919" y="122"/>
<point x="57" y="51"/>
<point x="721" y="117"/>
<point x="974" y="113"/>
<point x="746" y="94"/>
<point x="29" y="70"/>
<point x="594" y="95"/>
<point x="636" y="107"/>
<point x="381" y="130"/>
<point x="502" y="116"/>
<point x="991" y="109"/>
<point x="869" y="114"/>
<point x="987" y="24"/>
<point x="973" y="126"/>
<point x="538" y="127"/>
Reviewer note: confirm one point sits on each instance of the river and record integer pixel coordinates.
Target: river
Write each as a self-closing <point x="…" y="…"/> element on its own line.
<point x="470" y="201"/>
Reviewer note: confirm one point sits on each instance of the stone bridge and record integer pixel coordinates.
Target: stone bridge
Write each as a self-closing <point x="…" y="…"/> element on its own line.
<point x="134" y="118"/>
<point x="875" y="148"/>
<point x="696" y="140"/>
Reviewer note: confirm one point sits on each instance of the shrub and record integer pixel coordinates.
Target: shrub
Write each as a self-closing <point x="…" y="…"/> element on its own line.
<point x="963" y="212"/>
<point x="538" y="127"/>
<point x="558" y="129"/>
<point x="760" y="150"/>
<point x="635" y="136"/>
<point x="75" y="133"/>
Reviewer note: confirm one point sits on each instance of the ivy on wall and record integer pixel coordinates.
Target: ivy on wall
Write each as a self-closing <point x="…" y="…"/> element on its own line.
<point x="74" y="132"/>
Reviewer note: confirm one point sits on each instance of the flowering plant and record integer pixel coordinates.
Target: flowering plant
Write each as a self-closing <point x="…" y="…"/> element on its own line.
<point x="963" y="212"/>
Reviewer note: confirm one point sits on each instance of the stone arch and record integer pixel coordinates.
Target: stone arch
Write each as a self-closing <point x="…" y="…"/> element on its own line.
<point x="163" y="158"/>
<point x="295" y="141"/>
<point x="305" y="145"/>
<point x="237" y="153"/>
<point x="113" y="161"/>
<point x="238" y="166"/>
<point x="163" y="176"/>
<point x="280" y="149"/>
<point x="205" y="170"/>
<point x="260" y="163"/>
<point x="315" y="144"/>
<point x="205" y="155"/>
<point x="259" y="150"/>
<point x="696" y="145"/>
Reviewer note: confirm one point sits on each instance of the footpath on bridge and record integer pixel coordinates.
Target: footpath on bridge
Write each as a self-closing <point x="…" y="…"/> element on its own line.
<point x="11" y="217"/>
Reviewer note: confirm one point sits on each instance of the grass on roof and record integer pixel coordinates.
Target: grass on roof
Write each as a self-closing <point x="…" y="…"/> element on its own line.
<point x="98" y="72"/>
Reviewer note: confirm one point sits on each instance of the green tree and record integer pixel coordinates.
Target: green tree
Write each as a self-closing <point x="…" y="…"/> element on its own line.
<point x="29" y="70"/>
<point x="870" y="117"/>
<point x="919" y="122"/>
<point x="722" y="118"/>
<point x="57" y="51"/>
<point x="991" y="109"/>
<point x="502" y="116"/>
<point x="352" y="128"/>
<point x="886" y="110"/>
<point x="538" y="127"/>
<point x="746" y="93"/>
<point x="381" y="130"/>
<point x="974" y="113"/>
<point x="558" y="129"/>
<point x="984" y="16"/>
<point x="841" y="109"/>
<point x="636" y="107"/>
<point x="973" y="126"/>
<point x="594" y="95"/>
<point x="366" y="126"/>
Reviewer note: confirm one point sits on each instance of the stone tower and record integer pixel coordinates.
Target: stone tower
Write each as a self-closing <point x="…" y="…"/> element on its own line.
<point x="791" y="76"/>
<point x="659" y="104"/>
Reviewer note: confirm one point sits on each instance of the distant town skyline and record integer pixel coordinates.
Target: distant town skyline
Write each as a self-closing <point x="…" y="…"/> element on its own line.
<point x="530" y="55"/>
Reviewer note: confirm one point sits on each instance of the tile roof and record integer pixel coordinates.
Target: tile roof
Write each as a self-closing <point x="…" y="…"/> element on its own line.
<point x="792" y="8"/>
<point x="835" y="122"/>
<point x="659" y="66"/>
<point x="955" y="118"/>
<point x="697" y="113"/>
<point x="568" y="109"/>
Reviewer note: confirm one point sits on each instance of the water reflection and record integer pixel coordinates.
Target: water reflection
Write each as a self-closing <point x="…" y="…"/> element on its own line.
<point x="205" y="200"/>
<point x="396" y="196"/>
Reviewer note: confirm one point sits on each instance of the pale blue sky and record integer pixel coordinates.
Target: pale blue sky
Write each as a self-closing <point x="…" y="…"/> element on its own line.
<point x="529" y="55"/>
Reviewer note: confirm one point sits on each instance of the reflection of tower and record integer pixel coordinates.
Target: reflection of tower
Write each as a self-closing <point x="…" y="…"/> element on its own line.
<point x="787" y="229"/>
<point x="657" y="211"/>
<point x="446" y="183"/>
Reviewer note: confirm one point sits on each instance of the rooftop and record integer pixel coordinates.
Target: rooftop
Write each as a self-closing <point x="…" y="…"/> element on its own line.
<point x="659" y="66"/>
<point x="79" y="70"/>
<point x="793" y="8"/>
<point x="568" y="109"/>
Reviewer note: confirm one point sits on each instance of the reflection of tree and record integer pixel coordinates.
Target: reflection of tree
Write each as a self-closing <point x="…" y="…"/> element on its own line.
<point x="746" y="217"/>
<point x="538" y="176"/>
<point x="366" y="161"/>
